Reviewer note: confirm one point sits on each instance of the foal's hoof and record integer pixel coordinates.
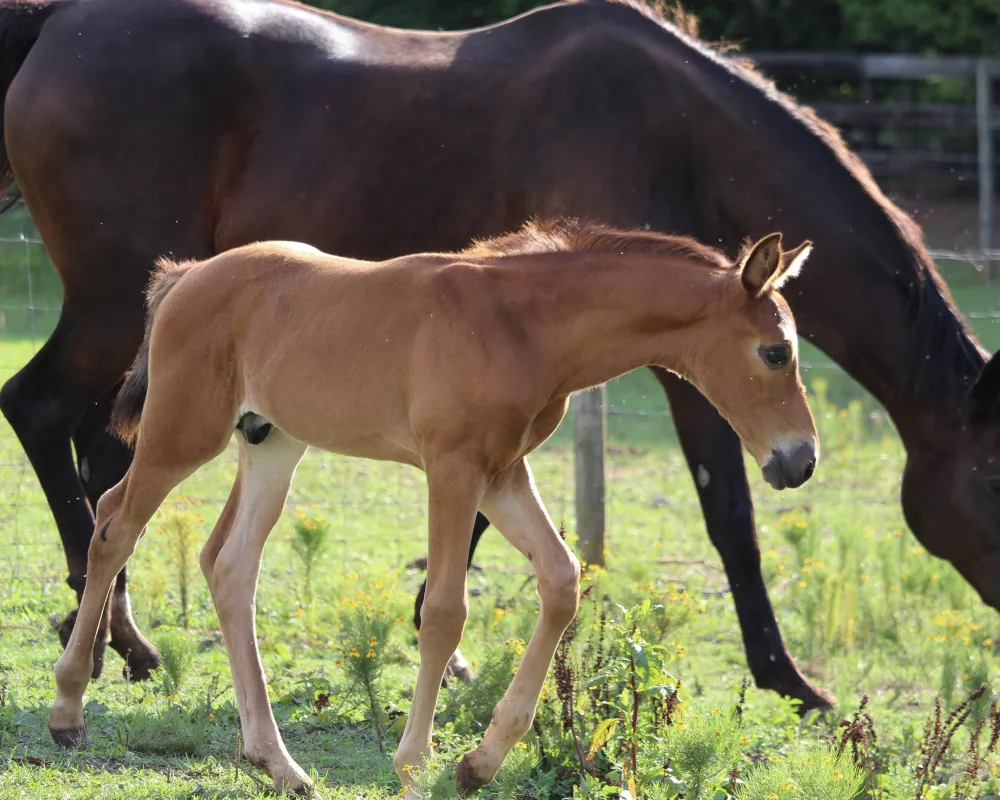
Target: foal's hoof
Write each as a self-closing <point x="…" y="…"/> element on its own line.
<point x="288" y="777"/>
<point x="68" y="737"/>
<point x="298" y="788"/>
<point x="467" y="782"/>
<point x="100" y="644"/>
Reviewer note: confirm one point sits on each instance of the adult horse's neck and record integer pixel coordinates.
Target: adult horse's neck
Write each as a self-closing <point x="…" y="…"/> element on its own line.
<point x="870" y="297"/>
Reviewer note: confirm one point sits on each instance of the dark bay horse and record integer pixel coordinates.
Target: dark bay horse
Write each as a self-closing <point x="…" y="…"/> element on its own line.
<point x="188" y="127"/>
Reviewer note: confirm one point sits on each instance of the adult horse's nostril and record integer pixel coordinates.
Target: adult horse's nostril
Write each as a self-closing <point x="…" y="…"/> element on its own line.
<point x="810" y="469"/>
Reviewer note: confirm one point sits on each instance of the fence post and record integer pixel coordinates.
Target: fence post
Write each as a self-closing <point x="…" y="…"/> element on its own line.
<point x="987" y="165"/>
<point x="588" y="450"/>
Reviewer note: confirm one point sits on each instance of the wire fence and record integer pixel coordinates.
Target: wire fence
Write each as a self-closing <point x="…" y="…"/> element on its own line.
<point x="377" y="511"/>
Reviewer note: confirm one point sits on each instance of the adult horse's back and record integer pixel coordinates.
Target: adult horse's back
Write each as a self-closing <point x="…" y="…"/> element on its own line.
<point x="186" y="127"/>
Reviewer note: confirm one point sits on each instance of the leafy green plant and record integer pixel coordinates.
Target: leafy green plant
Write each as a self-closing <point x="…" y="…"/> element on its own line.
<point x="470" y="705"/>
<point x="702" y="750"/>
<point x="309" y="538"/>
<point x="804" y="775"/>
<point x="178" y="652"/>
<point x="366" y="639"/>
<point x="178" y="529"/>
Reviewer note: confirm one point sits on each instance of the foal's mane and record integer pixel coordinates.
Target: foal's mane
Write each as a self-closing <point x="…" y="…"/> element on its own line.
<point x="943" y="348"/>
<point x="571" y="235"/>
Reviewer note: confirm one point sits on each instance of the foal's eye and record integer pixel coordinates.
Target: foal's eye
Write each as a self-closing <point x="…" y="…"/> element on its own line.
<point x="776" y="355"/>
<point x="993" y="482"/>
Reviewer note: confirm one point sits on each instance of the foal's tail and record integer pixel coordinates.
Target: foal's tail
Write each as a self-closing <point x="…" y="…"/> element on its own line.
<point x="127" y="410"/>
<point x="21" y="24"/>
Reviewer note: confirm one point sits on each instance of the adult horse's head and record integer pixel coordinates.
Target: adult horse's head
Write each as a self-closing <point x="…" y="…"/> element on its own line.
<point x="748" y="367"/>
<point x="951" y="489"/>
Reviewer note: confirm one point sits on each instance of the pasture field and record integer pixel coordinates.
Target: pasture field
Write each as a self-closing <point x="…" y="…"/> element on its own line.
<point x="863" y="609"/>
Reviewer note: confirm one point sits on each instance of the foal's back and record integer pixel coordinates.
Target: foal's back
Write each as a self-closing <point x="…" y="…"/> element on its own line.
<point x="344" y="354"/>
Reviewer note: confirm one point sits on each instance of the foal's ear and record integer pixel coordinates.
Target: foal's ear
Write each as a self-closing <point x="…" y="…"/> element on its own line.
<point x="760" y="264"/>
<point x="791" y="264"/>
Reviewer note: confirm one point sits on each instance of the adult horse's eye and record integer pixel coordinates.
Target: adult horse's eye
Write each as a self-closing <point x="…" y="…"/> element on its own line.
<point x="994" y="483"/>
<point x="775" y="355"/>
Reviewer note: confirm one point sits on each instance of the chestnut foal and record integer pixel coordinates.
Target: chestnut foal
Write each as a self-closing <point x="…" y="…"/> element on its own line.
<point x="459" y="364"/>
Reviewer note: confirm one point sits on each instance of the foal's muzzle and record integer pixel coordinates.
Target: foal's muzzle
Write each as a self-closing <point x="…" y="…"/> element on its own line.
<point x="786" y="469"/>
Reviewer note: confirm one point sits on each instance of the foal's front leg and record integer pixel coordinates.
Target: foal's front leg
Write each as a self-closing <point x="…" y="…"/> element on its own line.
<point x="513" y="506"/>
<point x="455" y="486"/>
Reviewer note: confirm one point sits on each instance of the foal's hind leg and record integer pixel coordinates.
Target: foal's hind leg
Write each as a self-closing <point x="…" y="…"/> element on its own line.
<point x="102" y="461"/>
<point x="513" y="506"/>
<point x="122" y="515"/>
<point x="231" y="562"/>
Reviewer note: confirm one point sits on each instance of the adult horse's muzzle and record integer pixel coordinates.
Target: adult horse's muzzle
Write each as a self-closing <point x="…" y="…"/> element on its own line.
<point x="790" y="466"/>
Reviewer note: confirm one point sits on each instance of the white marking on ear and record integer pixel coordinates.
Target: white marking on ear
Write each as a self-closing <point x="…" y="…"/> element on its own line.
<point x="793" y="265"/>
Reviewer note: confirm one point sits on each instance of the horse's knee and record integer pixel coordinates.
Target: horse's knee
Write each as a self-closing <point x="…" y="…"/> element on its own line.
<point x="34" y="419"/>
<point x="560" y="589"/>
<point x="443" y="620"/>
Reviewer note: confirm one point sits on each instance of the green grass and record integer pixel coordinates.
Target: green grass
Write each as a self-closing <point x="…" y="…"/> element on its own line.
<point x="862" y="607"/>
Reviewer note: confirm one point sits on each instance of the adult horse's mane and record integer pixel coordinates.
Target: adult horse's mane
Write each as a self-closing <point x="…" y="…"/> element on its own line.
<point x="943" y="348"/>
<point x="571" y="235"/>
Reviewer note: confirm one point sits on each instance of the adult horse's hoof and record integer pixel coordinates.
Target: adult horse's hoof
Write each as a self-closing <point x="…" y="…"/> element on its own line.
<point x="141" y="669"/>
<point x="467" y="782"/>
<point x="816" y="699"/>
<point x="797" y="687"/>
<point x="100" y="644"/>
<point x="68" y="737"/>
<point x="139" y="665"/>
<point x="141" y="657"/>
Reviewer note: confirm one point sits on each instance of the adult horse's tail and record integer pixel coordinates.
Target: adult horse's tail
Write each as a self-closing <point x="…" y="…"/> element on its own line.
<point x="127" y="411"/>
<point x="21" y="24"/>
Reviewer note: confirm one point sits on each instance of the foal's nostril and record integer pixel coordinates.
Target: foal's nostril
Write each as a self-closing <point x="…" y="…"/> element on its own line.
<point x="810" y="469"/>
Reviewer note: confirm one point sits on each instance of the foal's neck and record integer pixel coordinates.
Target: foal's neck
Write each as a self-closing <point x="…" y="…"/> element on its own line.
<point x="616" y="312"/>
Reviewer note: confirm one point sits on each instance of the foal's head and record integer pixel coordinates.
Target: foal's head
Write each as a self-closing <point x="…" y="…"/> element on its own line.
<point x="746" y="363"/>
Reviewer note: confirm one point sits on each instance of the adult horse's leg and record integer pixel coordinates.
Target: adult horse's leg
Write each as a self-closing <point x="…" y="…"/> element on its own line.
<point x="102" y="460"/>
<point x="458" y="667"/>
<point x="43" y="403"/>
<point x="715" y="458"/>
